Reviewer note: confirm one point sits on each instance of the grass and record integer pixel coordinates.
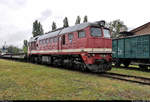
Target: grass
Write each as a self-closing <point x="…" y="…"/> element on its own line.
<point x="25" y="81"/>
<point x="131" y="72"/>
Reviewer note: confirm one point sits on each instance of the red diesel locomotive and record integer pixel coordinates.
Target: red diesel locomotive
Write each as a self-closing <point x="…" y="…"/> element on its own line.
<point x="87" y="46"/>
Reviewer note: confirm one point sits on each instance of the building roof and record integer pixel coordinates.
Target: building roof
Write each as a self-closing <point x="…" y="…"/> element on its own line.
<point x="132" y="36"/>
<point x="140" y="27"/>
<point x="126" y="33"/>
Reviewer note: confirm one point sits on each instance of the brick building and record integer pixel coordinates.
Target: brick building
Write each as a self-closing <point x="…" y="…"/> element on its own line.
<point x="144" y="29"/>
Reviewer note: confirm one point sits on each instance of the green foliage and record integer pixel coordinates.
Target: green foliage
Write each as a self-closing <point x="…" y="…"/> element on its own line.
<point x="13" y="49"/>
<point x="65" y="21"/>
<point x="116" y="27"/>
<point x="41" y="31"/>
<point x="25" y="43"/>
<point x="85" y="19"/>
<point x="25" y="49"/>
<point x="78" y="20"/>
<point x="54" y="26"/>
<point x="37" y="29"/>
<point x="25" y="46"/>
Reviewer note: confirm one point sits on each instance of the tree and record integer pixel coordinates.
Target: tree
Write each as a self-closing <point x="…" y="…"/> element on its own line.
<point x="25" y="46"/>
<point x="37" y="29"/>
<point x="13" y="49"/>
<point x="116" y="27"/>
<point x="41" y="31"/>
<point x="85" y="19"/>
<point x="65" y="21"/>
<point x="54" y="26"/>
<point x="78" y="20"/>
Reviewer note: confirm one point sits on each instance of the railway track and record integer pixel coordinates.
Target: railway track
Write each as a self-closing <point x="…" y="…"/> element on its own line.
<point x="122" y="77"/>
<point x="128" y="78"/>
<point x="132" y="68"/>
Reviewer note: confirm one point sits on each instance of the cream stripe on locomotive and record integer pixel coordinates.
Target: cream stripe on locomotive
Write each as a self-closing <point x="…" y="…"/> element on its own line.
<point x="89" y="50"/>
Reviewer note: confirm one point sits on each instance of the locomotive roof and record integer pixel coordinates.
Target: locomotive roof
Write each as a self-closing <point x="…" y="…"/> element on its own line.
<point x="32" y="39"/>
<point x="65" y="30"/>
<point x="51" y="34"/>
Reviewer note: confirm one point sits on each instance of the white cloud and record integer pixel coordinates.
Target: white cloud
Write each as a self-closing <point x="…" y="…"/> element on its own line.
<point x="17" y="16"/>
<point x="44" y="15"/>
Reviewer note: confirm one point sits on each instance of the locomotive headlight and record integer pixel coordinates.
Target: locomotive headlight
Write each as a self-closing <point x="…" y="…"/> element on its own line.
<point x="93" y="54"/>
<point x="101" y="23"/>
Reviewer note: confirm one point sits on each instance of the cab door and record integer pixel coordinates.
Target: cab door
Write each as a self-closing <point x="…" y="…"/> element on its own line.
<point x="62" y="43"/>
<point x="59" y="43"/>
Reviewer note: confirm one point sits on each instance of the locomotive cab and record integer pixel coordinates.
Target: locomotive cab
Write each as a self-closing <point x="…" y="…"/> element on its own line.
<point x="98" y="58"/>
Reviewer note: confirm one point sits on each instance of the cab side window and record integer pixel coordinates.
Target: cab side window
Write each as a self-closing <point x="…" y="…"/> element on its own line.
<point x="70" y="37"/>
<point x="81" y="34"/>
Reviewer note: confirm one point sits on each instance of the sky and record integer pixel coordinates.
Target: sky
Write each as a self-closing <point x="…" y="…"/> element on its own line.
<point x="17" y="16"/>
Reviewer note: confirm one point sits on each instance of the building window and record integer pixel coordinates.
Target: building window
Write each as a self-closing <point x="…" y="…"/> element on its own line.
<point x="81" y="34"/>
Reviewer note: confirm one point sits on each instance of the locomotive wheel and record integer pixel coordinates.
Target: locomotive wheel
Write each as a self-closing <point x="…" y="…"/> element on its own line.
<point x="83" y="67"/>
<point x="39" y="60"/>
<point x="32" y="59"/>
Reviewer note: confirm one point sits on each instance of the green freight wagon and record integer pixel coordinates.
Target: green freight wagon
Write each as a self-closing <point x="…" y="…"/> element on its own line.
<point x="132" y="49"/>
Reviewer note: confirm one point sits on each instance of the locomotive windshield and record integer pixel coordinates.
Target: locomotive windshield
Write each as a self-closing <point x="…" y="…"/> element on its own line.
<point x="96" y="32"/>
<point x="106" y="33"/>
